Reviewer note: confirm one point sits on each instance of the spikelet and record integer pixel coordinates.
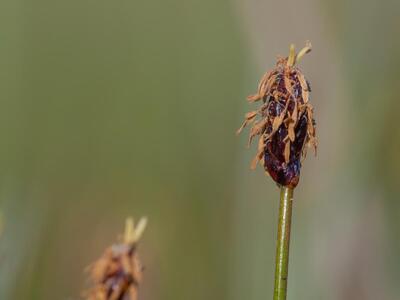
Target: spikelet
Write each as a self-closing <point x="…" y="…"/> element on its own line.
<point x="116" y="275"/>
<point x="284" y="122"/>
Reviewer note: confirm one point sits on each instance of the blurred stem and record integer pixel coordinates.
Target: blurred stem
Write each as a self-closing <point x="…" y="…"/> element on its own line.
<point x="283" y="240"/>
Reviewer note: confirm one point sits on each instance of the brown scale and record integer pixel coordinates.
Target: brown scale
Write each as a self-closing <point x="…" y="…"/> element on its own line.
<point x="285" y="125"/>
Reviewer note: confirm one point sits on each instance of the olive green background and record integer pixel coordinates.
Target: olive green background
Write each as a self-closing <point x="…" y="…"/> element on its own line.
<point x="118" y="108"/>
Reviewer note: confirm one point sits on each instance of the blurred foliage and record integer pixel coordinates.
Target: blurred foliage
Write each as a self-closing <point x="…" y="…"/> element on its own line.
<point x="112" y="109"/>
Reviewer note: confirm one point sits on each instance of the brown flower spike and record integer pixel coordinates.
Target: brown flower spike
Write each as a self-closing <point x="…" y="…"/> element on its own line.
<point x="285" y="126"/>
<point x="118" y="272"/>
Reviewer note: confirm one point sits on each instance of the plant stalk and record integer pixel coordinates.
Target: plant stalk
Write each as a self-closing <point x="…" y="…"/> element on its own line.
<point x="283" y="241"/>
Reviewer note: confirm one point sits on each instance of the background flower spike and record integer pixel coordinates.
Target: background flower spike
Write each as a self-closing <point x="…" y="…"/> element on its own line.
<point x="117" y="274"/>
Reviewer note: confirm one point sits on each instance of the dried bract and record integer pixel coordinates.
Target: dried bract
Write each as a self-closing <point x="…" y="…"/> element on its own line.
<point x="118" y="272"/>
<point x="284" y="122"/>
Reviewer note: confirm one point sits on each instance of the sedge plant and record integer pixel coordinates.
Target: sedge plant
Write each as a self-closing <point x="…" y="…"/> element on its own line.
<point x="117" y="274"/>
<point x="285" y="128"/>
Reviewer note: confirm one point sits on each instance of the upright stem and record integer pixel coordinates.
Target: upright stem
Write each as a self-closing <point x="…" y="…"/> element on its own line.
<point x="283" y="240"/>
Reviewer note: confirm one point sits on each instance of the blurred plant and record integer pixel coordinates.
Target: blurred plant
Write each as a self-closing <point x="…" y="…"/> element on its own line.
<point x="286" y="128"/>
<point x="1" y="224"/>
<point x="118" y="272"/>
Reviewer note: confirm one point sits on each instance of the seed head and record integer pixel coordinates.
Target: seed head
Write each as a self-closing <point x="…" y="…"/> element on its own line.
<point x="118" y="272"/>
<point x="284" y="122"/>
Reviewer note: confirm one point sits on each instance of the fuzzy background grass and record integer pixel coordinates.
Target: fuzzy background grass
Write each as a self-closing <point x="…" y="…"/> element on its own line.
<point x="114" y="108"/>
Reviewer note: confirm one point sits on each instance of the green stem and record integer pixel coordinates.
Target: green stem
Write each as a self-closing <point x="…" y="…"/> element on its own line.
<point x="283" y="240"/>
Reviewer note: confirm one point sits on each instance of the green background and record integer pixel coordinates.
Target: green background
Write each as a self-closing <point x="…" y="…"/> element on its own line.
<point x="118" y="108"/>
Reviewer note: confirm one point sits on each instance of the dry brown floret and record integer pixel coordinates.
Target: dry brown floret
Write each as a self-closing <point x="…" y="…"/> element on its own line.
<point x="285" y="123"/>
<point x="118" y="272"/>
